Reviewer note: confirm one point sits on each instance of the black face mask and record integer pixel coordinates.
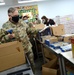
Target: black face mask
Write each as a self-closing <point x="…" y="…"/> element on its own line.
<point x="15" y="18"/>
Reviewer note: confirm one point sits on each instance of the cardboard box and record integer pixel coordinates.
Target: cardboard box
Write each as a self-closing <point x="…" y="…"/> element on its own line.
<point x="60" y="38"/>
<point x="12" y="60"/>
<point x="10" y="48"/>
<point x="49" y="68"/>
<point x="39" y="26"/>
<point x="49" y="54"/>
<point x="67" y="37"/>
<point x="51" y="40"/>
<point x="49" y="71"/>
<point x="45" y="37"/>
<point x="47" y="59"/>
<point x="58" y="30"/>
<point x="11" y="54"/>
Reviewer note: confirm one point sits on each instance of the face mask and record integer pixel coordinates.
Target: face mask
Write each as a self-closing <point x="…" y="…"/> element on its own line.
<point x="26" y="21"/>
<point x="15" y="18"/>
<point x="43" y="21"/>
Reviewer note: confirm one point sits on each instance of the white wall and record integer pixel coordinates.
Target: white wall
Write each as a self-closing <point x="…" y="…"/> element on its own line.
<point x="3" y="15"/>
<point x="57" y="7"/>
<point x="49" y="8"/>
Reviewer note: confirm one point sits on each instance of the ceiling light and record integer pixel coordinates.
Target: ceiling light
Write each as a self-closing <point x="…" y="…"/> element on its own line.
<point x="29" y="1"/>
<point x="2" y="3"/>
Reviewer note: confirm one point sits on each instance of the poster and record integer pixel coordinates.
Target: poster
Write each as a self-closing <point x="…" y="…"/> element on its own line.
<point x="31" y="11"/>
<point x="68" y="22"/>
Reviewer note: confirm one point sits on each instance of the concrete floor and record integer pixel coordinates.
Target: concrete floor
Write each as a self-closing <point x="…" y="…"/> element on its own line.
<point x="39" y="63"/>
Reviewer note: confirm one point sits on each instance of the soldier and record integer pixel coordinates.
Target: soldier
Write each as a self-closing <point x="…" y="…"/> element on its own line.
<point x="31" y="31"/>
<point x="19" y="32"/>
<point x="25" y="19"/>
<point x="38" y="21"/>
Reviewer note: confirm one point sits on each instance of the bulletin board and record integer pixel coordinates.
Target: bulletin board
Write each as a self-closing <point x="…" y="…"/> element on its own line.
<point x="30" y="11"/>
<point x="68" y="22"/>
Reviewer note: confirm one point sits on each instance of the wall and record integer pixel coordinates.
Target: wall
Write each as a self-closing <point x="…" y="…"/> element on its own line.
<point x="50" y="8"/>
<point x="3" y="15"/>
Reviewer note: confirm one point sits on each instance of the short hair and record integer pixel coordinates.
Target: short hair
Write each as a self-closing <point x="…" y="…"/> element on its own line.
<point x="11" y="10"/>
<point x="25" y="16"/>
<point x="43" y="17"/>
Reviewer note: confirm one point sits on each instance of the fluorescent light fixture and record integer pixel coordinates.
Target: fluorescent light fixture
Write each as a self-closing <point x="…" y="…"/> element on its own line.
<point x="2" y="3"/>
<point x="23" y="1"/>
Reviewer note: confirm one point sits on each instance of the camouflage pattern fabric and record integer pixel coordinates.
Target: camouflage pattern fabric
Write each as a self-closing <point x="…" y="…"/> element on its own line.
<point x="19" y="30"/>
<point x="38" y="21"/>
<point x="31" y="31"/>
<point x="2" y="34"/>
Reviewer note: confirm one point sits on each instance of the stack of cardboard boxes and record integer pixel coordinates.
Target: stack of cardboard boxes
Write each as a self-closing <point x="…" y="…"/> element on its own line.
<point x="57" y="31"/>
<point x="60" y="33"/>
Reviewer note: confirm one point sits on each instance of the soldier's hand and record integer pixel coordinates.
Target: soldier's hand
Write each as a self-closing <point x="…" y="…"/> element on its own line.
<point x="11" y="35"/>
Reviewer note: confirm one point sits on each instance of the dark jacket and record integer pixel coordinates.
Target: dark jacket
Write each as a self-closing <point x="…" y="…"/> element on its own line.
<point x="50" y="22"/>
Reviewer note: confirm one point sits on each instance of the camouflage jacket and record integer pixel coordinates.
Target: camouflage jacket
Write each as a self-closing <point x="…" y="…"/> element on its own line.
<point x="2" y="34"/>
<point x="31" y="31"/>
<point x="19" y="30"/>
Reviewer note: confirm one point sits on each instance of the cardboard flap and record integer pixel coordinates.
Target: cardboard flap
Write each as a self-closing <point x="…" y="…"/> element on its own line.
<point x="58" y="30"/>
<point x="49" y="71"/>
<point x="51" y="64"/>
<point x="39" y="26"/>
<point x="45" y="37"/>
<point x="7" y="44"/>
<point x="49" y="54"/>
<point x="12" y="60"/>
<point x="10" y="48"/>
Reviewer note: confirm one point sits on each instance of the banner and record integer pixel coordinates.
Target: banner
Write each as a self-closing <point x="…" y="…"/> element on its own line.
<point x="30" y="11"/>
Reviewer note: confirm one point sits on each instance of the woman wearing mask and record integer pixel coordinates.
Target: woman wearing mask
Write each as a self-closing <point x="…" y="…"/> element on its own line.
<point x="25" y="19"/>
<point x="47" y="21"/>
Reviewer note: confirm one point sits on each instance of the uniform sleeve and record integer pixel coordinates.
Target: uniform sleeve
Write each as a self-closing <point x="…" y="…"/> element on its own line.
<point x="5" y="27"/>
<point x="31" y="31"/>
<point x="25" y="39"/>
<point x="3" y="36"/>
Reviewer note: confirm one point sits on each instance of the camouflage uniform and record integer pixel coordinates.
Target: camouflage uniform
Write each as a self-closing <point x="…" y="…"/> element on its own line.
<point x="38" y="21"/>
<point x="31" y="31"/>
<point x="19" y="30"/>
<point x="2" y="34"/>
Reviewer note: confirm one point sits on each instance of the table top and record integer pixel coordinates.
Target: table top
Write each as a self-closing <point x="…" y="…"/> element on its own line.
<point x="68" y="56"/>
<point x="57" y="51"/>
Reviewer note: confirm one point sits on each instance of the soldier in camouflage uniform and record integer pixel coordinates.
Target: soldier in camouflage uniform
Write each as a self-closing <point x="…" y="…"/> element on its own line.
<point x="38" y="21"/>
<point x="19" y="31"/>
<point x="31" y="31"/>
